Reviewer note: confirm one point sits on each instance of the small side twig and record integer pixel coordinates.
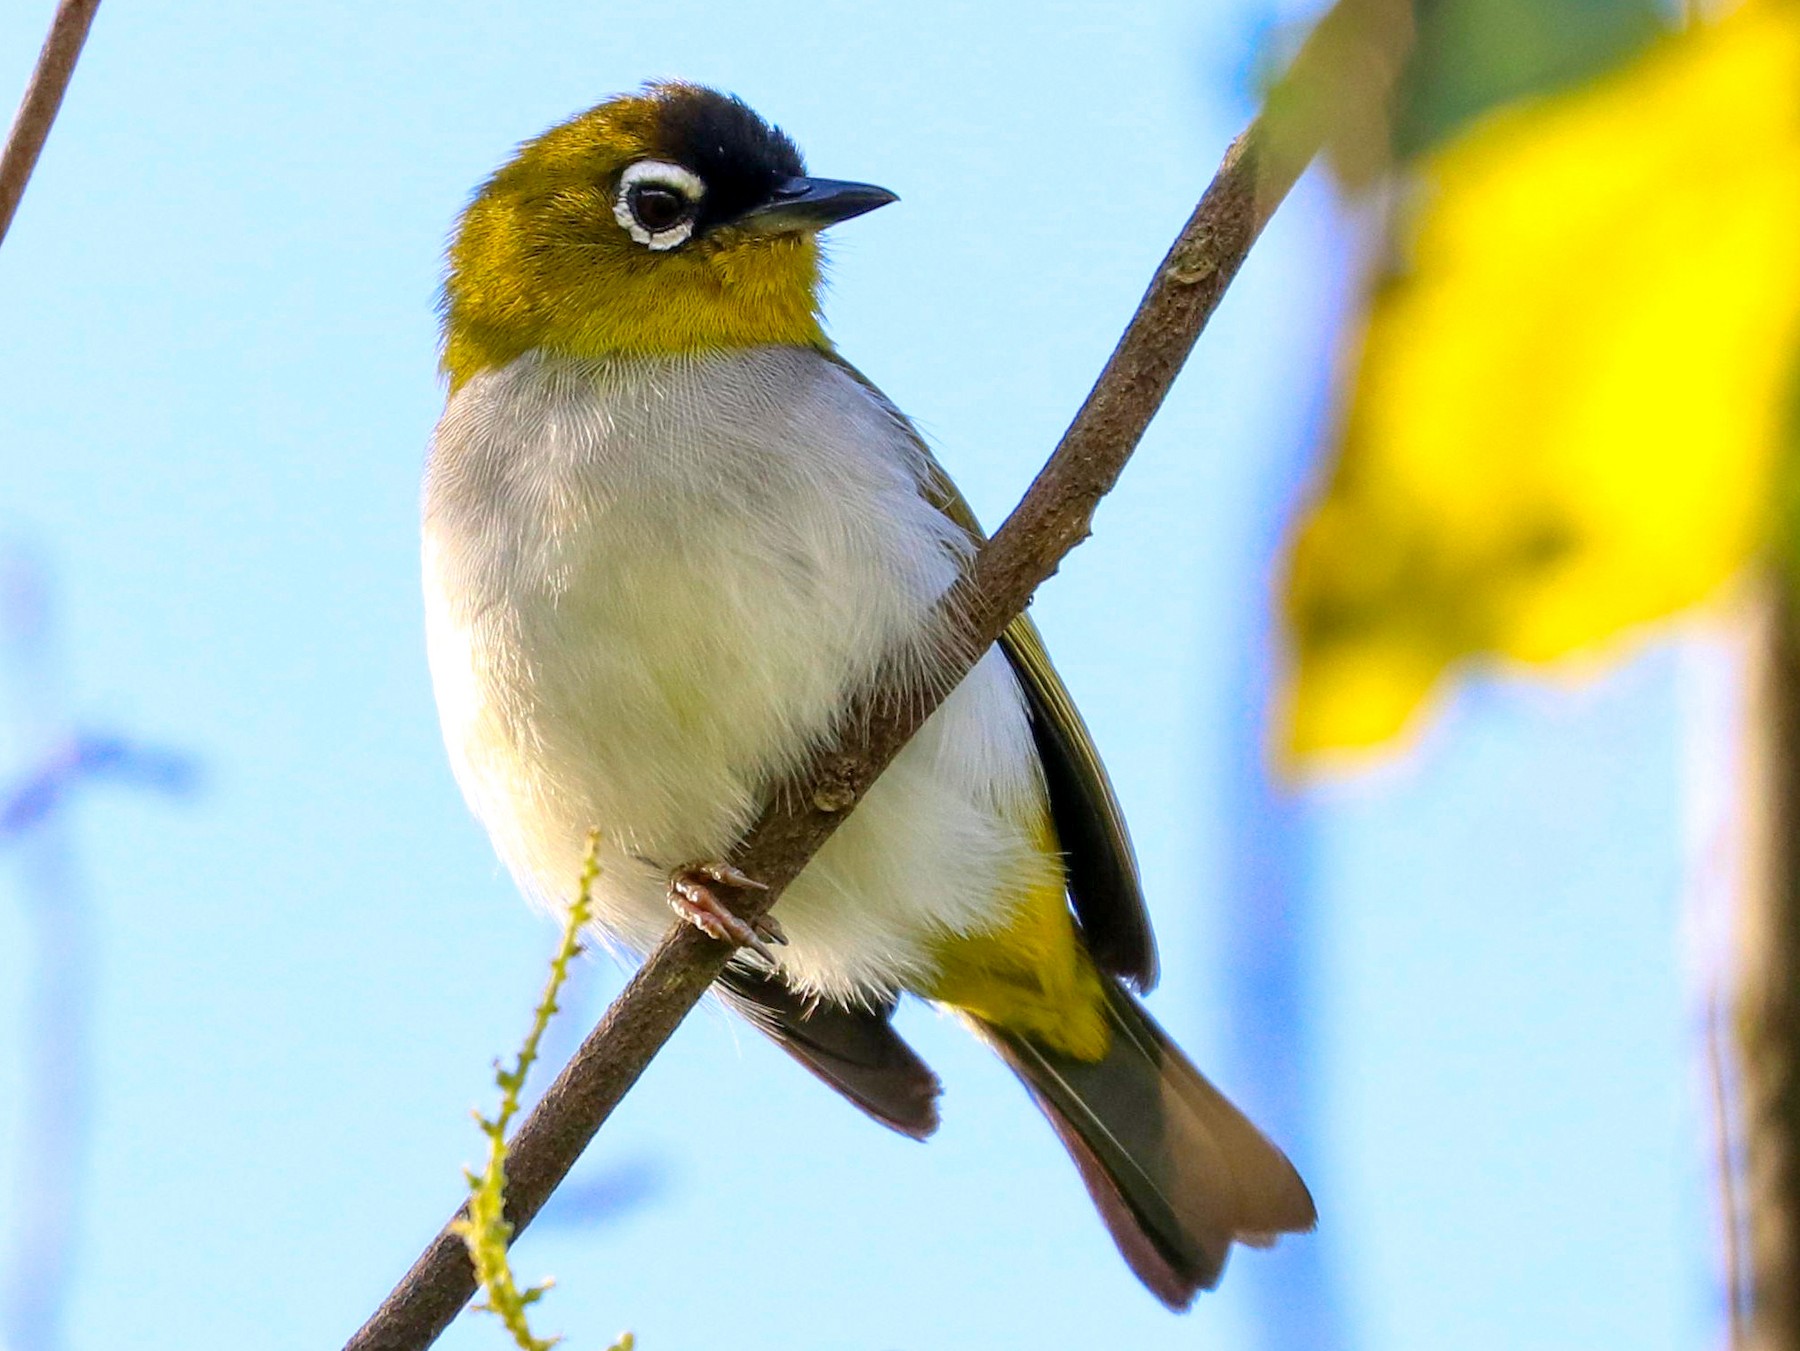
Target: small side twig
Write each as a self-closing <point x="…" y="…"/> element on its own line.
<point x="43" y="96"/>
<point x="484" y="1228"/>
<point x="1052" y="518"/>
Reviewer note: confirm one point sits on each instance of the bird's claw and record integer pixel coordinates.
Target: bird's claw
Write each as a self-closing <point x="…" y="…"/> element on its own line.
<point x="691" y="896"/>
<point x="723" y="872"/>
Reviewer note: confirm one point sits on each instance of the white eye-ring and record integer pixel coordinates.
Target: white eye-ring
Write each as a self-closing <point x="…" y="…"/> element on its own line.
<point x="658" y="202"/>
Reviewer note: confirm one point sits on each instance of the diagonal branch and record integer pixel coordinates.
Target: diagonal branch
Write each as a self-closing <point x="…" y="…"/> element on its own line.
<point x="1052" y="518"/>
<point x="43" y="96"/>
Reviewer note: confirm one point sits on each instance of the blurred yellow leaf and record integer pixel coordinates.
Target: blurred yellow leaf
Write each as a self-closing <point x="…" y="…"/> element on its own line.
<point x="1567" y="412"/>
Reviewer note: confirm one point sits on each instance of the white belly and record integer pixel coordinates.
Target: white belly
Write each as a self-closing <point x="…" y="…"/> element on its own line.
<point x="651" y="586"/>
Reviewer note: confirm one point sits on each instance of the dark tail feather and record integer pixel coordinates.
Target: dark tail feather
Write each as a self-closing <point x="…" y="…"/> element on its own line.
<point x="1177" y="1172"/>
<point x="855" y="1050"/>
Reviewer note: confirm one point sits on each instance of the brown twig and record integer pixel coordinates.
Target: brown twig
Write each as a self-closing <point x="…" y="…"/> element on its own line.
<point x="43" y="96"/>
<point x="1051" y="519"/>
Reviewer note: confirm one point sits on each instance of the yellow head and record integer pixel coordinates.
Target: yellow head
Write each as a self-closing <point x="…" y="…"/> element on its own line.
<point x="675" y="220"/>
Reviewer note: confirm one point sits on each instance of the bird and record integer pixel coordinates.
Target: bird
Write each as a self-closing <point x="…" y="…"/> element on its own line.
<point x="669" y="535"/>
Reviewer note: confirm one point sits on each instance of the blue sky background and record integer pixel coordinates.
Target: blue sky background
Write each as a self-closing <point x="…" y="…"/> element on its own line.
<point x="216" y="383"/>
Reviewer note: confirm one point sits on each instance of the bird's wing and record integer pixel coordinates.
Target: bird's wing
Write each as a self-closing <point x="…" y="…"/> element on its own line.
<point x="855" y="1050"/>
<point x="1098" y="858"/>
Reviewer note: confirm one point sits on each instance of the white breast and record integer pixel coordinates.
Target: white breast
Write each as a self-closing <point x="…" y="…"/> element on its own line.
<point x="651" y="585"/>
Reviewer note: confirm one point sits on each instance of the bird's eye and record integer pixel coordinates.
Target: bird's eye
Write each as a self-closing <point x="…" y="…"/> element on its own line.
<point x="658" y="203"/>
<point x="656" y="207"/>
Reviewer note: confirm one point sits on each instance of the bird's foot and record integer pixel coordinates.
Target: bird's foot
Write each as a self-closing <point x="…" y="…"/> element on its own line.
<point x="693" y="896"/>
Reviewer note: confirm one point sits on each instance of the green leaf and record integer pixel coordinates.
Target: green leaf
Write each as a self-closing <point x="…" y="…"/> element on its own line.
<point x="1471" y="55"/>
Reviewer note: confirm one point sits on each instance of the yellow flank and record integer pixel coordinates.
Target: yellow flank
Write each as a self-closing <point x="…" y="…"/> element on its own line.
<point x="1031" y="975"/>
<point x="540" y="262"/>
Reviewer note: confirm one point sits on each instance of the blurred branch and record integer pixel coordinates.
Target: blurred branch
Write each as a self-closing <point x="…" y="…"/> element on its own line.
<point x="41" y="791"/>
<point x="1052" y="518"/>
<point x="50" y="1170"/>
<point x="1768" y="994"/>
<point x="43" y="96"/>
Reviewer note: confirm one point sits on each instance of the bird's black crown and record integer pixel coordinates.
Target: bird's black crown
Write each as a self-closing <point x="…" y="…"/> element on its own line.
<point x="741" y="158"/>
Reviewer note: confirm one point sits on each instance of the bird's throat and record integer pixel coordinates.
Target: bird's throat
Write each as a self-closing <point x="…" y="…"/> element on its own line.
<point x="503" y="300"/>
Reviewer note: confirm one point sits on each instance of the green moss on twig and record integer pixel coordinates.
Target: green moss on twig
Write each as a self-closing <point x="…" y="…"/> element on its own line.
<point x="487" y="1232"/>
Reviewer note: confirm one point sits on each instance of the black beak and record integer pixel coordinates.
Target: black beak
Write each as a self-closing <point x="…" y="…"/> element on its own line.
<point x="812" y="204"/>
